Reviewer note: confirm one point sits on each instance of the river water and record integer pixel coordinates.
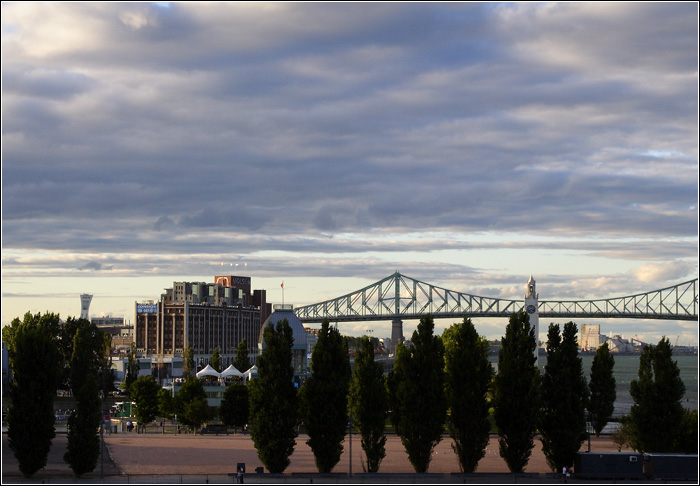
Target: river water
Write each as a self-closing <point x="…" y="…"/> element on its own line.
<point x="627" y="369"/>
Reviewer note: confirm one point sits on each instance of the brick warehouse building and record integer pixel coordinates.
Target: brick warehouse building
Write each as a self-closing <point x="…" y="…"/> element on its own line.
<point x="204" y="316"/>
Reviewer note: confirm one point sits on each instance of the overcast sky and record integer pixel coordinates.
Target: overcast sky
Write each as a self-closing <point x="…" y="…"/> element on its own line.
<point x="329" y="145"/>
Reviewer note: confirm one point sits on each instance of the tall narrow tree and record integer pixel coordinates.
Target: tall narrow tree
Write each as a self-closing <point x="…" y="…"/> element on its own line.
<point x="132" y="371"/>
<point x="515" y="397"/>
<point x="35" y="362"/>
<point x="417" y="395"/>
<point x="83" y="440"/>
<point x="105" y="371"/>
<point x="324" y="397"/>
<point x="468" y="375"/>
<point x="188" y="364"/>
<point x="273" y="399"/>
<point x="563" y="399"/>
<point x="215" y="361"/>
<point x="241" y="362"/>
<point x="369" y="404"/>
<point x="657" y="414"/>
<point x="602" y="386"/>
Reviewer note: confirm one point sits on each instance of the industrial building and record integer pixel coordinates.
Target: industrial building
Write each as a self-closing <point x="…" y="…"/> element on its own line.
<point x="589" y="337"/>
<point x="201" y="316"/>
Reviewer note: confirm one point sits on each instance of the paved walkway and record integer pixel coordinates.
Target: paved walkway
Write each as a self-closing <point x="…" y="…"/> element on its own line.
<point x="134" y="454"/>
<point x="55" y="466"/>
<point x="207" y="454"/>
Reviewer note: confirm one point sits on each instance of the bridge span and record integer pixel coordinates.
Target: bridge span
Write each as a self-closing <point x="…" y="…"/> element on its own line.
<point x="398" y="297"/>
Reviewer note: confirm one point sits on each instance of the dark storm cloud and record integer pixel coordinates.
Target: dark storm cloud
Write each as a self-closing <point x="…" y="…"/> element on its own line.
<point x="57" y="84"/>
<point x="95" y="266"/>
<point x="286" y="120"/>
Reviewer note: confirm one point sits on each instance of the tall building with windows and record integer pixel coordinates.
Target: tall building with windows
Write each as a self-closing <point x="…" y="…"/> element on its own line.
<point x="201" y="316"/>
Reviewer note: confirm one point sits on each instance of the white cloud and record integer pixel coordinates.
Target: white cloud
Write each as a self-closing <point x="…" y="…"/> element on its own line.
<point x="656" y="272"/>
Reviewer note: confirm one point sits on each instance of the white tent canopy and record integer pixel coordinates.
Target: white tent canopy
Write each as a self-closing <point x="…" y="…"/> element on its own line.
<point x="208" y="371"/>
<point x="231" y="371"/>
<point x="252" y="371"/>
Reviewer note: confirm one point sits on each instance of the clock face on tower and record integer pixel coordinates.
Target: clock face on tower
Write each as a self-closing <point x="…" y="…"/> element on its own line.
<point x="531" y="309"/>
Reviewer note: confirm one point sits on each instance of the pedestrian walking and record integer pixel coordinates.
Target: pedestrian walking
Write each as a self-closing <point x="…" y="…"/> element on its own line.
<point x="564" y="475"/>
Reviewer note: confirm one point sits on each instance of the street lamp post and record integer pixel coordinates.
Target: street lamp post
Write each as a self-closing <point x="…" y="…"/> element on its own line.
<point x="350" y="444"/>
<point x="102" y="436"/>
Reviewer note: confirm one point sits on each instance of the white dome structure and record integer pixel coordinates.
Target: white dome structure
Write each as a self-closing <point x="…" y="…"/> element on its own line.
<point x="299" y="351"/>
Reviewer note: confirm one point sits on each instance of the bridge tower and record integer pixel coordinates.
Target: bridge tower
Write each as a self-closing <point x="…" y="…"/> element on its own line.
<point x="396" y="333"/>
<point x="531" y="297"/>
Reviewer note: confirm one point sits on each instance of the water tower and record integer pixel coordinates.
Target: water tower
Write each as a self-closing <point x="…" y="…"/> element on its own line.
<point x="85" y="300"/>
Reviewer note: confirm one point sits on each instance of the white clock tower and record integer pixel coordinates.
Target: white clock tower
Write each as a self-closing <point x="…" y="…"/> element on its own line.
<point x="531" y="308"/>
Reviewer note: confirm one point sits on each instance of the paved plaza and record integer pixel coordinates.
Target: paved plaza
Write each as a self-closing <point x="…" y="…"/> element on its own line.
<point x="132" y="455"/>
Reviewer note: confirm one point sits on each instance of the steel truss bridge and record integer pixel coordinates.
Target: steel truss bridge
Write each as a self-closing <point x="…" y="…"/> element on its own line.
<point x="398" y="297"/>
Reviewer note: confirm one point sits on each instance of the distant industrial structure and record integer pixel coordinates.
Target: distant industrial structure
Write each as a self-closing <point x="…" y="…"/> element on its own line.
<point x="202" y="316"/>
<point x="589" y="337"/>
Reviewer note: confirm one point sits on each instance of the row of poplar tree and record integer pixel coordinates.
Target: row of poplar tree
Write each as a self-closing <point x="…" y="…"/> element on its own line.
<point x="438" y="383"/>
<point x="446" y="383"/>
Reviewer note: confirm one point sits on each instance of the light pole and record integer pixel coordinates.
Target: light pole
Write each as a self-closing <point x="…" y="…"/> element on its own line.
<point x="350" y="444"/>
<point x="102" y="436"/>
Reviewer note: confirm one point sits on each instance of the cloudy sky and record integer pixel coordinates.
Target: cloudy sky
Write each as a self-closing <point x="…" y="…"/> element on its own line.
<point x="327" y="146"/>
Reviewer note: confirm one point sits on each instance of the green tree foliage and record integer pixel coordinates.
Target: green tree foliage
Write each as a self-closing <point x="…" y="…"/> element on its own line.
<point x="417" y="395"/>
<point x="215" y="361"/>
<point x="189" y="366"/>
<point x="324" y="397"/>
<point x="273" y="399"/>
<point x="242" y="362"/>
<point x="144" y="392"/>
<point x="657" y="414"/>
<point x="234" y="408"/>
<point x="87" y="353"/>
<point x="191" y="403"/>
<point x="468" y="375"/>
<point x="369" y="404"/>
<point x="166" y="403"/>
<point x="83" y="440"/>
<point x="355" y="342"/>
<point x="515" y="394"/>
<point x="688" y="440"/>
<point x="602" y="387"/>
<point x="34" y="359"/>
<point x="106" y="373"/>
<point x="132" y="371"/>
<point x="563" y="398"/>
<point x="50" y="325"/>
<point x="623" y="435"/>
<point x="83" y="449"/>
